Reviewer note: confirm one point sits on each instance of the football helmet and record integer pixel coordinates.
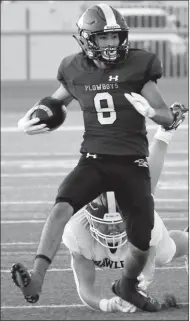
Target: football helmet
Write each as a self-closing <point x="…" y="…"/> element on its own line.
<point x="106" y="223"/>
<point x="98" y="19"/>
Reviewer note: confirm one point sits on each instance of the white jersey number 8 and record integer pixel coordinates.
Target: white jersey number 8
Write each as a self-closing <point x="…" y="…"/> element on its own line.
<point x="100" y="111"/>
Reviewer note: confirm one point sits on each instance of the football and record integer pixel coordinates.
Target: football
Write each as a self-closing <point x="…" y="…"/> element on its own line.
<point x="50" y="112"/>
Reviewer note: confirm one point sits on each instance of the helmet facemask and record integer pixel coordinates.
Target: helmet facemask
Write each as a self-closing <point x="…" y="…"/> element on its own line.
<point x="109" y="230"/>
<point x="108" y="55"/>
<point x="100" y="230"/>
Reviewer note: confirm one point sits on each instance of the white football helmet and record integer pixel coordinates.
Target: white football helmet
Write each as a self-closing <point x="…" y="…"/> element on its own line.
<point x="106" y="223"/>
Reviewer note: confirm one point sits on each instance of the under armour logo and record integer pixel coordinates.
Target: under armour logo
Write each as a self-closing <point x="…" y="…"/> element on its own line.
<point x="113" y="78"/>
<point x="91" y="155"/>
<point x="141" y="162"/>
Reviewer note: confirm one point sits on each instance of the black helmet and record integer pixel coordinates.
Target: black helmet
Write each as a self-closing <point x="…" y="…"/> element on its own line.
<point x="100" y="19"/>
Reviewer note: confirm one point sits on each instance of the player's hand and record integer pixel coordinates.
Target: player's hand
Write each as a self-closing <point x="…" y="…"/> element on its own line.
<point x="29" y="126"/>
<point x="117" y="304"/>
<point x="179" y="112"/>
<point x="141" y="105"/>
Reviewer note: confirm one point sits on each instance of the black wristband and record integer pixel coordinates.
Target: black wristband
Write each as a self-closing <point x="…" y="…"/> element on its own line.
<point x="41" y="256"/>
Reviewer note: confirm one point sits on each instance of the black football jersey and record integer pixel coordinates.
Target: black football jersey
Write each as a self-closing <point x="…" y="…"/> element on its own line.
<point x="112" y="125"/>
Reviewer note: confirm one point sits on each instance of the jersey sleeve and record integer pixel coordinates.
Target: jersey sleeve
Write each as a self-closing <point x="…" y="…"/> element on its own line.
<point x="60" y="75"/>
<point x="63" y="79"/>
<point x="70" y="240"/>
<point x="154" y="69"/>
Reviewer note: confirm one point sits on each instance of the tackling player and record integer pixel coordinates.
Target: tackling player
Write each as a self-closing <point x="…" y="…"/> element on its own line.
<point x="96" y="237"/>
<point x="115" y="145"/>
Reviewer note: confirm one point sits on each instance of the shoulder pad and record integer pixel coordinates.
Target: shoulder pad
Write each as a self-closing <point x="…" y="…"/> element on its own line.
<point x="153" y="67"/>
<point x="68" y="69"/>
<point x="70" y="61"/>
<point x="141" y="54"/>
<point x="69" y="239"/>
<point x="77" y="237"/>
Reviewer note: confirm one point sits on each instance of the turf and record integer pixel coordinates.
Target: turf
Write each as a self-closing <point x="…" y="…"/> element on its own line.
<point x="32" y="169"/>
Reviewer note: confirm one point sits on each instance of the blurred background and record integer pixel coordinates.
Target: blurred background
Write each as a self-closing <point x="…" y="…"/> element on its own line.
<point x="36" y="35"/>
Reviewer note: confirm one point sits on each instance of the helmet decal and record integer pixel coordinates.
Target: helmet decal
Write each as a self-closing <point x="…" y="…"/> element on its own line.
<point x="111" y="202"/>
<point x="111" y="22"/>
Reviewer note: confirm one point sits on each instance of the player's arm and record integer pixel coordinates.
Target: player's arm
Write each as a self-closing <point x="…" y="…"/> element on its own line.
<point x="154" y="107"/>
<point x="162" y="137"/>
<point x="141" y="104"/>
<point x="62" y="96"/>
<point x="160" y="142"/>
<point x="30" y="126"/>
<point x="157" y="152"/>
<point x="84" y="275"/>
<point x="162" y="114"/>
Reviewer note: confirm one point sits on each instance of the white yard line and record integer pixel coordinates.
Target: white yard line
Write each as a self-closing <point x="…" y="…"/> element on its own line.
<point x="9" y="129"/>
<point x="22" y="222"/>
<point x="26" y="202"/>
<point x="53" y="306"/>
<point x="43" y="221"/>
<point x="53" y="154"/>
<point x="158" y="200"/>
<point x="61" y="174"/>
<point x="18" y="243"/>
<point x="162" y="186"/>
<point x="181" y="187"/>
<point x="13" y="129"/>
<point x="98" y="269"/>
<point x="68" y="163"/>
<point x="40" y="174"/>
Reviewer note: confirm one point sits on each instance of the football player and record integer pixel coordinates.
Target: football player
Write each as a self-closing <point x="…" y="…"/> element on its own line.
<point x="114" y="148"/>
<point x="96" y="237"/>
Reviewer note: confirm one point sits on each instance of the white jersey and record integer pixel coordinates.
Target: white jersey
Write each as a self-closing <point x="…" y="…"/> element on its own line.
<point x="78" y="239"/>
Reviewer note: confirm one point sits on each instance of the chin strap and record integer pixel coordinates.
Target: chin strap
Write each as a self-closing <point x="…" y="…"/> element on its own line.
<point x="77" y="40"/>
<point x="75" y="37"/>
